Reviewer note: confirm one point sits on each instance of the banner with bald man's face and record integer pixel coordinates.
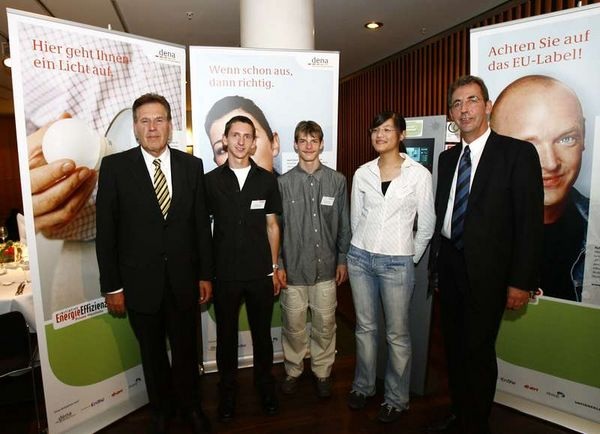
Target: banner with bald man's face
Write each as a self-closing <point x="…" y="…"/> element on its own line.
<point x="541" y="75"/>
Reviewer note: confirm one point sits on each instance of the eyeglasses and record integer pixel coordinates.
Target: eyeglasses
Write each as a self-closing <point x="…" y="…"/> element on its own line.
<point x="382" y="130"/>
<point x="469" y="102"/>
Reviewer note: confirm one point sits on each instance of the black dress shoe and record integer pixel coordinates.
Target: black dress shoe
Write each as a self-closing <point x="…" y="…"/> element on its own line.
<point x="226" y="408"/>
<point x="199" y="421"/>
<point x="270" y="404"/>
<point x="448" y="424"/>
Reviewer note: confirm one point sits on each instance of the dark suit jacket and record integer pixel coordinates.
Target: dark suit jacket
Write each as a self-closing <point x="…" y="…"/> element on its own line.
<point x="504" y="221"/>
<point x="137" y="249"/>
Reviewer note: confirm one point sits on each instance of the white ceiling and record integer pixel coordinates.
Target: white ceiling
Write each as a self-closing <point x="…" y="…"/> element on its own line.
<point x="338" y="23"/>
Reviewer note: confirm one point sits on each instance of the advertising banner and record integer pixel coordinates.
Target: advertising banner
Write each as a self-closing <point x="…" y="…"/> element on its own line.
<point x="542" y="74"/>
<point x="276" y="89"/>
<point x="73" y="87"/>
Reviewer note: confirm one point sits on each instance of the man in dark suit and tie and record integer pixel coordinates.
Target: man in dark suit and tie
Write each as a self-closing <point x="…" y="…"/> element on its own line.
<point x="153" y="246"/>
<point x="486" y="250"/>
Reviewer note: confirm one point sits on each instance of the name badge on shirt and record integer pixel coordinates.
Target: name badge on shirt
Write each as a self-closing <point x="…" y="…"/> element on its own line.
<point x="258" y="204"/>
<point x="327" y="201"/>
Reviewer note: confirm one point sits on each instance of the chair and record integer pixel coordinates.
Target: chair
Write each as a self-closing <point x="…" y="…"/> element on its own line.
<point x="16" y="356"/>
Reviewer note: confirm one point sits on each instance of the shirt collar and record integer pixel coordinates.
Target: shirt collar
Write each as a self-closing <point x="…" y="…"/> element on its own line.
<point x="165" y="157"/>
<point x="316" y="174"/>
<point x="225" y="166"/>
<point x="477" y="145"/>
<point x="373" y="165"/>
<point x="408" y="162"/>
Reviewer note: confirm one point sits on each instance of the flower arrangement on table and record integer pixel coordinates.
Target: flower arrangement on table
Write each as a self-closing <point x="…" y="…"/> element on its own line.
<point x="10" y="251"/>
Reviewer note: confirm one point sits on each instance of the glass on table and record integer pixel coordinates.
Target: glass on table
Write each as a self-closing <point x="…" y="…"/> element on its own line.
<point x="3" y="237"/>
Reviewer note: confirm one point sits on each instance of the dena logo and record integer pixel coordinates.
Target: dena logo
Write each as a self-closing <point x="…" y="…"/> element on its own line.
<point x="116" y="392"/>
<point x="166" y="55"/>
<point x="531" y="388"/>
<point x="319" y="61"/>
<point x="64" y="416"/>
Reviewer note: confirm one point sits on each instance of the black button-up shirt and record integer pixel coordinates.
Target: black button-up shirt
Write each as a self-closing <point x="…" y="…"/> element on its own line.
<point x="240" y="242"/>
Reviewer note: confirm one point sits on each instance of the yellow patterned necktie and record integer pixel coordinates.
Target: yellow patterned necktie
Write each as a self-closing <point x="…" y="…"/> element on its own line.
<point x="161" y="189"/>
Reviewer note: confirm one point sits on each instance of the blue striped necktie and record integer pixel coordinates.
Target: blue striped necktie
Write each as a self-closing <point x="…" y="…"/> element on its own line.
<point x="461" y="199"/>
<point x="161" y="189"/>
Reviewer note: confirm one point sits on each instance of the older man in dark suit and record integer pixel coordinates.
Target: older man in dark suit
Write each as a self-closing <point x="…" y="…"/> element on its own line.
<point x="486" y="251"/>
<point x="153" y="246"/>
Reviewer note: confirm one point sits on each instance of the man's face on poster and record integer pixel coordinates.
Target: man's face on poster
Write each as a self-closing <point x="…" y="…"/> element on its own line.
<point x="549" y="115"/>
<point x="265" y="149"/>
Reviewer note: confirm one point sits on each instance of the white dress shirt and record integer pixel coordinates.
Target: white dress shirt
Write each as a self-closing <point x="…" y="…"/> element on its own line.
<point x="384" y="224"/>
<point x="476" y="147"/>
<point x="165" y="166"/>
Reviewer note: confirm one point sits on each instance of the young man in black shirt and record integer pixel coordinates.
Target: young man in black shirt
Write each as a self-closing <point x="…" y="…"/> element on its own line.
<point x="244" y="201"/>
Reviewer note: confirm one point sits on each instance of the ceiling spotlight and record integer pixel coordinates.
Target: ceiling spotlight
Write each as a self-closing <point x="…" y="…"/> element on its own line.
<point x="373" y="25"/>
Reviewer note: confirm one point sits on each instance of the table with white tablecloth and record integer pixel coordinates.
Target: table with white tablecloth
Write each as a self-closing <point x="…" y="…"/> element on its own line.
<point x="9" y="283"/>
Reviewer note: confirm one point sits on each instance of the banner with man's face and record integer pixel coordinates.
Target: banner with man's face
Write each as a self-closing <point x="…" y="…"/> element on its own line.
<point x="542" y="76"/>
<point x="275" y="89"/>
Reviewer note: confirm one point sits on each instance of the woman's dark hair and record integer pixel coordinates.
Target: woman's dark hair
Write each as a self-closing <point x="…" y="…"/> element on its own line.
<point x="397" y="118"/>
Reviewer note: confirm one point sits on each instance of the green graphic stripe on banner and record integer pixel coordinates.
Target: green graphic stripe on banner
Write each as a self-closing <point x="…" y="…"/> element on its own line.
<point x="92" y="350"/>
<point x="553" y="338"/>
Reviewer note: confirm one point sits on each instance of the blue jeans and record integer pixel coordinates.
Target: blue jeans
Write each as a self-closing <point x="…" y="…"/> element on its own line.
<point x="388" y="281"/>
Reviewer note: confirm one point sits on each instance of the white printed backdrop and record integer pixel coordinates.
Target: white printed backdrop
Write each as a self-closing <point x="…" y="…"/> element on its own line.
<point x="287" y="87"/>
<point x="90" y="360"/>
<point x="550" y="354"/>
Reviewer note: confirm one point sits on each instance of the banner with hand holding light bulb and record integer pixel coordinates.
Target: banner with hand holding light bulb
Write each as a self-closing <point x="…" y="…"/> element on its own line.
<point x="73" y="87"/>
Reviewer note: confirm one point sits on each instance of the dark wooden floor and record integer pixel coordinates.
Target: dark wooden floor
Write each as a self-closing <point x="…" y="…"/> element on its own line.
<point x="304" y="412"/>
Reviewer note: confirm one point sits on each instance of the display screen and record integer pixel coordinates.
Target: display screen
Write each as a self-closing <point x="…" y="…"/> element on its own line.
<point x="421" y="150"/>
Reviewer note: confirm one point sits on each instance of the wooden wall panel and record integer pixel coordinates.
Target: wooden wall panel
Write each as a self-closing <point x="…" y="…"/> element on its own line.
<point x="414" y="81"/>
<point x="10" y="181"/>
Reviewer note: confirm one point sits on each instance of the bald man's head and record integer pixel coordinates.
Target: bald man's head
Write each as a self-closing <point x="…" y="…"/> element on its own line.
<point x="547" y="113"/>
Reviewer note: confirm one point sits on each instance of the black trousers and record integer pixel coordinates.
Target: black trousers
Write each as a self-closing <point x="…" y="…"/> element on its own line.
<point x="228" y="297"/>
<point x="176" y="383"/>
<point x="470" y="322"/>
